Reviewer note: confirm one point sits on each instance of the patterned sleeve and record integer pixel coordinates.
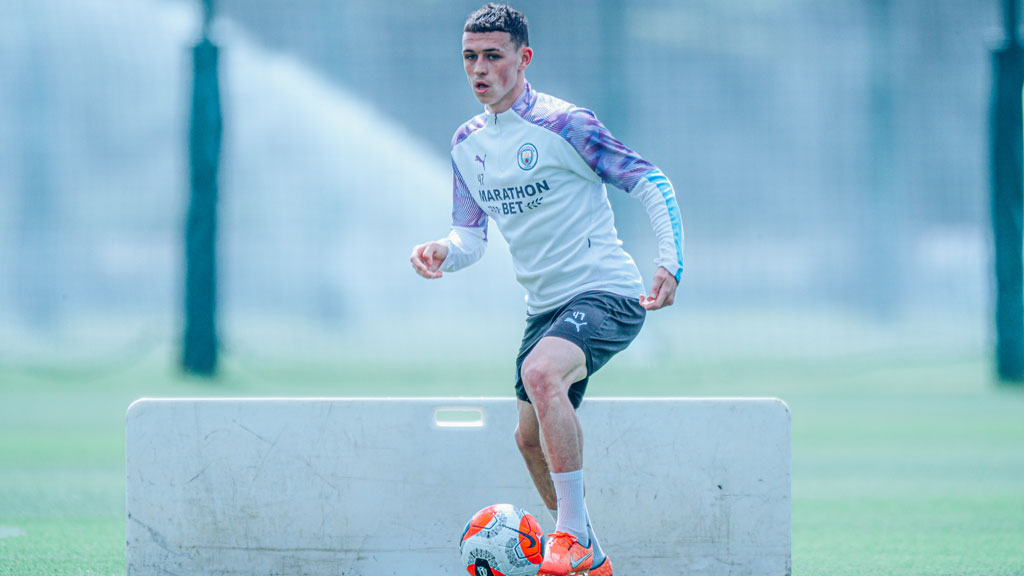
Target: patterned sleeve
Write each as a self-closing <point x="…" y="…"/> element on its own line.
<point x="623" y="168"/>
<point x="467" y="239"/>
<point x="609" y="158"/>
<point x="466" y="213"/>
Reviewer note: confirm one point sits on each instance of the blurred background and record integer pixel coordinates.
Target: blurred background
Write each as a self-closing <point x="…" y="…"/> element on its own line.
<point x="830" y="161"/>
<point x="250" y="176"/>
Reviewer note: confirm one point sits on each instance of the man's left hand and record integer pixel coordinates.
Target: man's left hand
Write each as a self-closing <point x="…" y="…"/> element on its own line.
<point x="663" y="291"/>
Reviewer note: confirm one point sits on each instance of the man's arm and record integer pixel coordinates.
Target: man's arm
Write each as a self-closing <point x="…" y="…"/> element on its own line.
<point x="465" y="243"/>
<point x="659" y="198"/>
<point x="655" y="192"/>
<point x="618" y="165"/>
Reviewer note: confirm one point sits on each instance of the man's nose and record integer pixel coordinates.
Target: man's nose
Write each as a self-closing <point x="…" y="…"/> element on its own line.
<point x="480" y="67"/>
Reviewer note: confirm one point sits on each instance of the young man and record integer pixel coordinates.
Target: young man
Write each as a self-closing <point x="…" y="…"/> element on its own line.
<point x="538" y="166"/>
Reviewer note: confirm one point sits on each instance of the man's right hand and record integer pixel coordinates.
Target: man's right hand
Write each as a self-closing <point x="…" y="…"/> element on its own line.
<point x="427" y="258"/>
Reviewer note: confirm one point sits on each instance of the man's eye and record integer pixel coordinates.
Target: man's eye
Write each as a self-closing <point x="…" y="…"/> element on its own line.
<point x="493" y="57"/>
<point x="469" y="57"/>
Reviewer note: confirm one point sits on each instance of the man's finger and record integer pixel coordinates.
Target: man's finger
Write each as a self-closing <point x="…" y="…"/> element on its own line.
<point x="422" y="261"/>
<point x="656" y="285"/>
<point x="654" y="304"/>
<point x="660" y="295"/>
<point x="417" y="262"/>
<point x="648" y="301"/>
<point x="661" y="299"/>
<point x="427" y="272"/>
<point x="417" y="253"/>
<point x="430" y="257"/>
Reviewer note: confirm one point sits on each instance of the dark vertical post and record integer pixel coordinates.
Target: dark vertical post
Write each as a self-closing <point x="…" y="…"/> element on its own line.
<point x="1007" y="190"/>
<point x="200" y="350"/>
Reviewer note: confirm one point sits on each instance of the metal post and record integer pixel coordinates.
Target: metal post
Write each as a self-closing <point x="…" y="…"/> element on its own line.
<point x="1007" y="127"/>
<point x="200" y="347"/>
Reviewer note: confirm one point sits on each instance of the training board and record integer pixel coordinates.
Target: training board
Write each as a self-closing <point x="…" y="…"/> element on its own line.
<point x="379" y="487"/>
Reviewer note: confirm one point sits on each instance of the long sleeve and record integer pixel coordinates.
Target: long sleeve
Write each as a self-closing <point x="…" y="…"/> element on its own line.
<point x="467" y="239"/>
<point x="659" y="198"/>
<point x="618" y="165"/>
<point x="465" y="246"/>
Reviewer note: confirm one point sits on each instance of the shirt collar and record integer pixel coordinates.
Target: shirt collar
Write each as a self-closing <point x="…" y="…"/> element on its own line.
<point x="523" y="103"/>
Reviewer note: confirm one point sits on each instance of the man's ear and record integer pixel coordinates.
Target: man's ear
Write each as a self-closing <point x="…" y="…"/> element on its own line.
<point x="525" y="57"/>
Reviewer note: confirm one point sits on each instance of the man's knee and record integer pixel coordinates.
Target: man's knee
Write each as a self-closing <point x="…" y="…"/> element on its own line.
<point x="541" y="381"/>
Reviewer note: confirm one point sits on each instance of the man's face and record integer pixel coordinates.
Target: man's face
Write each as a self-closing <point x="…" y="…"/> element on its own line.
<point x="493" y="66"/>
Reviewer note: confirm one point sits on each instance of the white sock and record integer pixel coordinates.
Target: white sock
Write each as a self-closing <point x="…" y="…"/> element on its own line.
<point x="599" y="554"/>
<point x="572" y="510"/>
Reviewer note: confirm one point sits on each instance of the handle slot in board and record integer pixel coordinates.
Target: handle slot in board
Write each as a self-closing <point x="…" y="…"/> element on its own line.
<point x="459" y="416"/>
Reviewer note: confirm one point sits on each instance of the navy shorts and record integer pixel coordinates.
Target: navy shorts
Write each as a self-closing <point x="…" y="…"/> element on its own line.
<point x="602" y="324"/>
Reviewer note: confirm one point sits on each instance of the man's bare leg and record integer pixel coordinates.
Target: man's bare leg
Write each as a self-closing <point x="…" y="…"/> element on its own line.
<point x="529" y="443"/>
<point x="548" y="371"/>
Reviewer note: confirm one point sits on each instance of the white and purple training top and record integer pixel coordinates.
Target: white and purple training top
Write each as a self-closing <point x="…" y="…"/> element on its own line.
<point x="539" y="170"/>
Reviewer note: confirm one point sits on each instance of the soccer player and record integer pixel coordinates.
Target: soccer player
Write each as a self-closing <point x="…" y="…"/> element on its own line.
<point x="538" y="166"/>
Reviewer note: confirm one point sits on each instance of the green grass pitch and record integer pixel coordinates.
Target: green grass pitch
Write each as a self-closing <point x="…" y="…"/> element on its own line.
<point x="901" y="464"/>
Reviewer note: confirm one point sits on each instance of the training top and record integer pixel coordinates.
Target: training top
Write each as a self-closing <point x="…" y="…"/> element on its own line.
<point x="539" y="169"/>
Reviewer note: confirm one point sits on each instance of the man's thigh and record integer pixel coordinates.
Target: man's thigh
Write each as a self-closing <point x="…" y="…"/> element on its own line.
<point x="597" y="324"/>
<point x="560" y="358"/>
<point x="600" y="324"/>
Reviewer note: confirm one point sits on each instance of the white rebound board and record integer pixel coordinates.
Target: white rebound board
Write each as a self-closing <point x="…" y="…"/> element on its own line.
<point x="377" y="487"/>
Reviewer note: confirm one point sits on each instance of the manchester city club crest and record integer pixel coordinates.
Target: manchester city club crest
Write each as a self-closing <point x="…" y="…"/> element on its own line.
<point x="527" y="156"/>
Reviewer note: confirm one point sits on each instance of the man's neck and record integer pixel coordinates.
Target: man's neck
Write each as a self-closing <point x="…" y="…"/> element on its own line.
<point x="506" y="103"/>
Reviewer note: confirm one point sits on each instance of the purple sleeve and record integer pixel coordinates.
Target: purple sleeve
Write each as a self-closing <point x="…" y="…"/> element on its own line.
<point x="466" y="213"/>
<point x="609" y="158"/>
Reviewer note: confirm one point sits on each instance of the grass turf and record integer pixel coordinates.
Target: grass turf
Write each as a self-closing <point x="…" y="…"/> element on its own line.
<point x="901" y="465"/>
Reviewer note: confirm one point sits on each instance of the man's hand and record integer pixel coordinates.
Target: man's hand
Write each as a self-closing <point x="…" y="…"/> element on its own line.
<point x="427" y="258"/>
<point x="663" y="290"/>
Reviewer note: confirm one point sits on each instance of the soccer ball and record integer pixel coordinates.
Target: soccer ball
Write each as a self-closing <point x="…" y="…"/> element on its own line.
<point x="502" y="540"/>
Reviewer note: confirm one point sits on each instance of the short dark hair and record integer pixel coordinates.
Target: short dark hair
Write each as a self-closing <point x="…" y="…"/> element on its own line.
<point x="500" y="18"/>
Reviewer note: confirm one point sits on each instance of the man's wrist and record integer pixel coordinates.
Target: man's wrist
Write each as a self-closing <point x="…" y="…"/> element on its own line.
<point x="674" y="269"/>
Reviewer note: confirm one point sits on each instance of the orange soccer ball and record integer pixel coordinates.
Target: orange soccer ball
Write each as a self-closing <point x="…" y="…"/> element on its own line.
<point x="502" y="540"/>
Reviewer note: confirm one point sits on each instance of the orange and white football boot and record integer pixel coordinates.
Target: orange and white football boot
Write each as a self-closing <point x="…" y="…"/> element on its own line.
<point x="565" y="556"/>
